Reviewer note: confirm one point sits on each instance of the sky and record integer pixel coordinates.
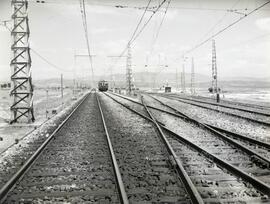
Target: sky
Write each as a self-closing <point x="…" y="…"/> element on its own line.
<point x="57" y="34"/>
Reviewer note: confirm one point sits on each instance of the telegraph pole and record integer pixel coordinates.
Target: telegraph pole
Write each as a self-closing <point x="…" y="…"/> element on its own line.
<point x="129" y="84"/>
<point x="214" y="71"/>
<point x="75" y="65"/>
<point x="62" y="91"/>
<point x="47" y="102"/>
<point x="192" y="83"/>
<point x="111" y="69"/>
<point x="183" y="79"/>
<point x="176" y="77"/>
<point x="21" y="77"/>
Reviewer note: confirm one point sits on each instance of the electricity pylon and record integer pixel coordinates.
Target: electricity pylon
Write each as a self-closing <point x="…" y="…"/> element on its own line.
<point x="22" y="88"/>
<point x="129" y="84"/>
<point x="192" y="83"/>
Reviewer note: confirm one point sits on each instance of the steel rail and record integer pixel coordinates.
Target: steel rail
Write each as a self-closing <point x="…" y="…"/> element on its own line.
<point x="248" y="139"/>
<point x="120" y="184"/>
<point x="182" y="115"/>
<point x="227" y="113"/>
<point x="221" y="105"/>
<point x="10" y="184"/>
<point x="221" y="135"/>
<point x="191" y="189"/>
<point x="185" y="117"/>
<point x="255" y="106"/>
<point x="194" y="194"/>
<point x="259" y="185"/>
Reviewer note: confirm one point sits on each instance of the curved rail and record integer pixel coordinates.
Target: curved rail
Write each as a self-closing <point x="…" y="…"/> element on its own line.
<point x="191" y="189"/>
<point x="120" y="184"/>
<point x="27" y="165"/>
<point x="259" y="185"/>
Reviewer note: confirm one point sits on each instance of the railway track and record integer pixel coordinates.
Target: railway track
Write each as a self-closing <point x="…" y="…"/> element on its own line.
<point x="263" y="113"/>
<point x="66" y="168"/>
<point x="165" y="108"/>
<point x="235" y="103"/>
<point x="239" y="163"/>
<point x="80" y="162"/>
<point x="252" y="116"/>
<point x="255" y="148"/>
<point x="224" y="121"/>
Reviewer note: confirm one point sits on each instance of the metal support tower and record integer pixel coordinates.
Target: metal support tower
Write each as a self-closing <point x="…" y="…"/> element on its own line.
<point x="214" y="68"/>
<point x="192" y="83"/>
<point x="129" y="84"/>
<point x="22" y="88"/>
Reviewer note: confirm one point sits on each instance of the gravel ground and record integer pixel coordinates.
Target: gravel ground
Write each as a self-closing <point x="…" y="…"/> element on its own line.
<point x="14" y="157"/>
<point x="142" y="158"/>
<point x="10" y="133"/>
<point x="75" y="167"/>
<point x="221" y="120"/>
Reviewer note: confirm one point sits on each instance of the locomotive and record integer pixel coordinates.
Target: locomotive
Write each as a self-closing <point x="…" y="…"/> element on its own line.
<point x="103" y="85"/>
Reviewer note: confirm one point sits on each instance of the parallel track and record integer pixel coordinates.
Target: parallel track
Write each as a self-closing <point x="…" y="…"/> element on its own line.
<point x="217" y="110"/>
<point x="179" y="114"/>
<point x="261" y="186"/>
<point x="222" y="105"/>
<point x="237" y="103"/>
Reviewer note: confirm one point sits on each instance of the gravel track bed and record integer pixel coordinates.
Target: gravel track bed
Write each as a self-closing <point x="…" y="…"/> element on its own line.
<point x="259" y="149"/>
<point x="215" y="145"/>
<point x="75" y="167"/>
<point x="221" y="120"/>
<point x="138" y="107"/>
<point x="214" y="184"/>
<point x="13" y="158"/>
<point x="142" y="158"/>
<point x="233" y="111"/>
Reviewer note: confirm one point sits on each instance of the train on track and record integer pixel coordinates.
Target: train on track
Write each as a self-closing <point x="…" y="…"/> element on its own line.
<point x="103" y="85"/>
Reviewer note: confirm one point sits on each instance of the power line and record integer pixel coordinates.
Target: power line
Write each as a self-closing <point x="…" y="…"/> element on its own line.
<point x="220" y="20"/>
<point x="122" y="6"/>
<point x="140" y="21"/>
<point x="48" y="62"/>
<point x="137" y="27"/>
<point x="84" y="19"/>
<point x="227" y="27"/>
<point x="134" y="35"/>
<point x="159" y="28"/>
<point x="146" y="23"/>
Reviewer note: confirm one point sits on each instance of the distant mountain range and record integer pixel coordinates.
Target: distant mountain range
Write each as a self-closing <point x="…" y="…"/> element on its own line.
<point x="151" y="79"/>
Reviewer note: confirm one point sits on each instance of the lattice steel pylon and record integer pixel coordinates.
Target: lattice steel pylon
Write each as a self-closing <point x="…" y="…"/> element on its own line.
<point x="192" y="82"/>
<point x="22" y="88"/>
<point x="129" y="84"/>
<point x="214" y="68"/>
